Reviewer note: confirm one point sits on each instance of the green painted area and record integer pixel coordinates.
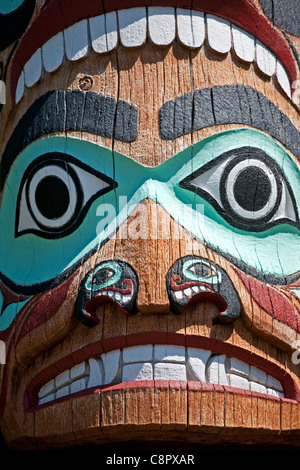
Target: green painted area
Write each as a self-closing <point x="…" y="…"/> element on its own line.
<point x="213" y="279"/>
<point x="269" y="251"/>
<point x="93" y="286"/>
<point x="7" y="6"/>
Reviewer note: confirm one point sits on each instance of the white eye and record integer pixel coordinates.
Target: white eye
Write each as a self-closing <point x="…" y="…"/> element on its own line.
<point x="55" y="194"/>
<point x="247" y="188"/>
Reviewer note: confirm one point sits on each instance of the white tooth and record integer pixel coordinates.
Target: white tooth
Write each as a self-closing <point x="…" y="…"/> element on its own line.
<point x="255" y="387"/>
<point x="33" y="69"/>
<point x="244" y="44"/>
<point x="126" y="298"/>
<point x="169" y="371"/>
<point x="76" y="40"/>
<point x="218" y="34"/>
<point x="196" y="289"/>
<point x="235" y="366"/>
<point x="237" y="381"/>
<point x="161" y="23"/>
<point x="257" y="375"/>
<point x="188" y="292"/>
<point x="118" y="296"/>
<point x="169" y="353"/>
<point x="111" y="363"/>
<point x="132" y="26"/>
<point x="62" y="392"/>
<point x="275" y="393"/>
<point x="197" y="359"/>
<point x="283" y="79"/>
<point x="137" y="372"/>
<point x="190" y="27"/>
<point x="47" y="399"/>
<point x="77" y="371"/>
<point x="138" y="354"/>
<point x="47" y="389"/>
<point x="273" y="383"/>
<point x="77" y="386"/>
<point x="62" y="379"/>
<point x="110" y="293"/>
<point x="178" y="294"/>
<point x="20" y="87"/>
<point x="215" y="372"/>
<point x="53" y="52"/>
<point x="95" y="377"/>
<point x="104" y="32"/>
<point x="266" y="61"/>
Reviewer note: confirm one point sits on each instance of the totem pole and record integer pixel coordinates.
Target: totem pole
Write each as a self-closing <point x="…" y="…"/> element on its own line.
<point x="149" y="222"/>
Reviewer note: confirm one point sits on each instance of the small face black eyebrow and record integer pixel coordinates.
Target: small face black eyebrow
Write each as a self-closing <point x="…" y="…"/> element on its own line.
<point x="229" y="104"/>
<point x="66" y="110"/>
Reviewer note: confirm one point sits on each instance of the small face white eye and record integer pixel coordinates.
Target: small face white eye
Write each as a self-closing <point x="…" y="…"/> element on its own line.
<point x="247" y="188"/>
<point x="55" y="194"/>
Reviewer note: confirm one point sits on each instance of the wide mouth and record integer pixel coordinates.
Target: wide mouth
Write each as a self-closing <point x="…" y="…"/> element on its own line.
<point x="200" y="360"/>
<point x="132" y="27"/>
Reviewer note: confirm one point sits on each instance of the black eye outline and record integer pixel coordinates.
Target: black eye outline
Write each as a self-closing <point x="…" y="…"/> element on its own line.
<point x="223" y="207"/>
<point x="65" y="163"/>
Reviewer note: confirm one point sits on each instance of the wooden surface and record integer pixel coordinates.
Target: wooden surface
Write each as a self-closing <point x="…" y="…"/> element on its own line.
<point x="146" y="64"/>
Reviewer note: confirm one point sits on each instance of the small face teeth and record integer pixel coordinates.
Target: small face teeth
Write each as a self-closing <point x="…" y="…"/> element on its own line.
<point x="159" y="362"/>
<point x="162" y="25"/>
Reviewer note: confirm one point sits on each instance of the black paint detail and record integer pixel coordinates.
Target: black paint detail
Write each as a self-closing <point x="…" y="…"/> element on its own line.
<point x="252" y="189"/>
<point x="14" y="24"/>
<point x="54" y="202"/>
<point x="229" y="104"/>
<point x="76" y="110"/>
<point x="222" y="293"/>
<point x="253" y="195"/>
<point x="284" y="14"/>
<point x="123" y="293"/>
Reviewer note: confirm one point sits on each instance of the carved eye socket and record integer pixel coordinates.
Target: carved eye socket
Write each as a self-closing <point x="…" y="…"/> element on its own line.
<point x="55" y="194"/>
<point x="247" y="188"/>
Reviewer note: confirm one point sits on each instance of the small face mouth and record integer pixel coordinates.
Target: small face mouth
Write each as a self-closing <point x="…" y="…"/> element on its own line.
<point x="87" y="28"/>
<point x="146" y="364"/>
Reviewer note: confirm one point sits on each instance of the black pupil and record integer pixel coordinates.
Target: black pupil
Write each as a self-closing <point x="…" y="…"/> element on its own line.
<point x="52" y="197"/>
<point x="252" y="189"/>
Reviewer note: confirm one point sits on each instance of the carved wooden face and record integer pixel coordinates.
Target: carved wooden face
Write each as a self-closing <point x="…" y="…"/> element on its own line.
<point x="149" y="257"/>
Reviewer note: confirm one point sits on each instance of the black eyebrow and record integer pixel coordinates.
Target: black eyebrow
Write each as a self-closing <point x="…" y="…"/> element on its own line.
<point x="62" y="110"/>
<point x="229" y="104"/>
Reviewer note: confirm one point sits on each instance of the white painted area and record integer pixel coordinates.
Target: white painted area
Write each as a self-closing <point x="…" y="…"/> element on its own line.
<point x="77" y="40"/>
<point x="53" y="53"/>
<point x="95" y="374"/>
<point x="104" y="32"/>
<point x="20" y="87"/>
<point x="138" y="371"/>
<point x="33" y="69"/>
<point x="160" y="362"/>
<point x="111" y="363"/>
<point x="133" y="26"/>
<point x="161" y="24"/>
<point x="142" y="353"/>
<point x="169" y="371"/>
<point x="190" y="27"/>
<point x="265" y="59"/>
<point x="283" y="79"/>
<point x="243" y="43"/>
<point x="218" y="34"/>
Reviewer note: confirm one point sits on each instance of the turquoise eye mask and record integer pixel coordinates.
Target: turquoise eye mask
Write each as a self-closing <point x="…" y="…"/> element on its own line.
<point x="96" y="190"/>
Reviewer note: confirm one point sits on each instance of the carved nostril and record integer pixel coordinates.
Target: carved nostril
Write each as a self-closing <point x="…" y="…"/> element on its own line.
<point x="193" y="279"/>
<point x="112" y="281"/>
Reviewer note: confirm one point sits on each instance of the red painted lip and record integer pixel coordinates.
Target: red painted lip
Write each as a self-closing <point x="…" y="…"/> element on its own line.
<point x="290" y="388"/>
<point x="56" y="15"/>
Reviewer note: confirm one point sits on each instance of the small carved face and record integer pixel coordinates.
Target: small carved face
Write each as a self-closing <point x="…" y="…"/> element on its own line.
<point x="149" y="223"/>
